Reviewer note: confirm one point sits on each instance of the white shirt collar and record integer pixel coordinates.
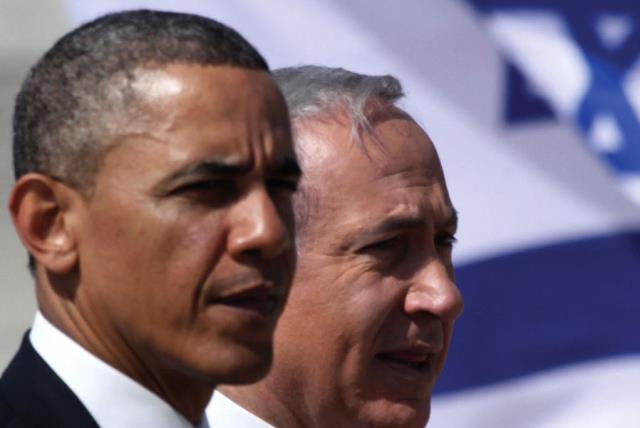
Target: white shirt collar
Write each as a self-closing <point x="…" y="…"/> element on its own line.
<point x="224" y="413"/>
<point x="112" y="398"/>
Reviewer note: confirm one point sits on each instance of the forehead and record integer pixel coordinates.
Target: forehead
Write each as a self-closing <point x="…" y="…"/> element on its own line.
<point x="199" y="111"/>
<point x="398" y="172"/>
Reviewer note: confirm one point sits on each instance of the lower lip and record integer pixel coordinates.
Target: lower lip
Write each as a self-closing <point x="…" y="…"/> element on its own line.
<point x="263" y="308"/>
<point x="409" y="371"/>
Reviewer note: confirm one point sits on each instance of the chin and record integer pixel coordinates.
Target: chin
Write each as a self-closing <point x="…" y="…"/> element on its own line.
<point x="247" y="366"/>
<point x="395" y="415"/>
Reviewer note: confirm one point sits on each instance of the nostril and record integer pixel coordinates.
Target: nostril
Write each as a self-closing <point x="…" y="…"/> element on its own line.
<point x="437" y="298"/>
<point x="260" y="241"/>
<point x="257" y="229"/>
<point x="250" y="254"/>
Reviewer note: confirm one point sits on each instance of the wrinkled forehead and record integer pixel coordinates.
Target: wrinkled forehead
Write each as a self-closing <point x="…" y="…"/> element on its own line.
<point x="395" y="148"/>
<point x="396" y="174"/>
<point x="398" y="144"/>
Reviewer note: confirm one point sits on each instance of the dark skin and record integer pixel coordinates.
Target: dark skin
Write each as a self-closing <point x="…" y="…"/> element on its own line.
<point x="175" y="269"/>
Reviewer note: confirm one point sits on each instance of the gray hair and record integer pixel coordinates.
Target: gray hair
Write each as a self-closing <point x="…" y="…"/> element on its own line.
<point x="313" y="91"/>
<point x="317" y="92"/>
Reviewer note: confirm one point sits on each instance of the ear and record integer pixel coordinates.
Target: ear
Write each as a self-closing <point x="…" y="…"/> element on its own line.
<point x="42" y="209"/>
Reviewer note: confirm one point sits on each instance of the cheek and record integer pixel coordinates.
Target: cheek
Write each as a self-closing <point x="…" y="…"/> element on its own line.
<point x="378" y="298"/>
<point x="157" y="256"/>
<point x="193" y="250"/>
<point x="448" y="336"/>
<point x="339" y="307"/>
<point x="117" y="247"/>
<point x="314" y="324"/>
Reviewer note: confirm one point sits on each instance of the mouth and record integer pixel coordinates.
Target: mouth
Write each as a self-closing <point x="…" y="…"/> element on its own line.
<point x="260" y="299"/>
<point x="410" y="361"/>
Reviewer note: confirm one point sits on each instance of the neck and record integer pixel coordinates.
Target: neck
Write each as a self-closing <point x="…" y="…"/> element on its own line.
<point x="186" y="393"/>
<point x="260" y="400"/>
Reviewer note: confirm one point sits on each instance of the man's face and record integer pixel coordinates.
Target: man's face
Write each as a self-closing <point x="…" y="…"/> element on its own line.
<point x="185" y="243"/>
<point x="368" y="323"/>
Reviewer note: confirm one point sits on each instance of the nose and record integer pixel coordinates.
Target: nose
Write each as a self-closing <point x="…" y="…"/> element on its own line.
<point x="434" y="291"/>
<point x="257" y="227"/>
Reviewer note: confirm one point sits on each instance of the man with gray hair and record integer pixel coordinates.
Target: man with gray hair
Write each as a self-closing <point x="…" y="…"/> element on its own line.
<point x="368" y="323"/>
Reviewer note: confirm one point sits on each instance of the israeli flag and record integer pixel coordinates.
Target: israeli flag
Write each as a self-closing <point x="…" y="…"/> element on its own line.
<point x="534" y="106"/>
<point x="550" y="338"/>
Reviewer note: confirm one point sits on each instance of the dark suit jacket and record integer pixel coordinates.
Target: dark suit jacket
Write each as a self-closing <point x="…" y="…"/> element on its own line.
<point x="32" y="395"/>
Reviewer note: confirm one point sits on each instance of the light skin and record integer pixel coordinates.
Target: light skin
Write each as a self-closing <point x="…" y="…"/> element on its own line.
<point x="175" y="267"/>
<point x="369" y="320"/>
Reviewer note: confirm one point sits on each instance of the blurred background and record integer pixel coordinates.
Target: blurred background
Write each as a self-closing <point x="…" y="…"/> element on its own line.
<point x="534" y="107"/>
<point x="27" y="28"/>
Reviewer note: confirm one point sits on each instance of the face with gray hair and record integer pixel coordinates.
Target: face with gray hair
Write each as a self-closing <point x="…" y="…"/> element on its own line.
<point x="368" y="323"/>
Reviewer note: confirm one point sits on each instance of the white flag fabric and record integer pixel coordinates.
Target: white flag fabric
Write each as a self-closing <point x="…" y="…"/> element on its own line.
<point x="534" y="107"/>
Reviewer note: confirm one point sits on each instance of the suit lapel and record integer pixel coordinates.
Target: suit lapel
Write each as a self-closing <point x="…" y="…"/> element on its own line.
<point x="36" y="396"/>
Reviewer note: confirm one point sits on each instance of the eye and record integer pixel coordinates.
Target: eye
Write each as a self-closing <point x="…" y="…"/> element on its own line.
<point x="380" y="246"/>
<point x="386" y="252"/>
<point x="288" y="185"/>
<point x="209" y="190"/>
<point x="445" y="240"/>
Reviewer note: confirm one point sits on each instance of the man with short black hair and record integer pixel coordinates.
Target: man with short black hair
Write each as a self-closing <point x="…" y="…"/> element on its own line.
<point x="369" y="319"/>
<point x="154" y="173"/>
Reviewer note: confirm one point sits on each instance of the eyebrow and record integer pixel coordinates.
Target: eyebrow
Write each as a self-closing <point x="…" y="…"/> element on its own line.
<point x="286" y="166"/>
<point x="212" y="167"/>
<point x="451" y="221"/>
<point x="400" y="222"/>
<point x="409" y="221"/>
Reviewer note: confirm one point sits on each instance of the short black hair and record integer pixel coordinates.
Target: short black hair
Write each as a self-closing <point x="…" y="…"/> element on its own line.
<point x="62" y="101"/>
<point x="62" y="111"/>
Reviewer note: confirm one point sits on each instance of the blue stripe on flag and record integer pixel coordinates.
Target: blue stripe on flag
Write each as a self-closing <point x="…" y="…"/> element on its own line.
<point x="544" y="308"/>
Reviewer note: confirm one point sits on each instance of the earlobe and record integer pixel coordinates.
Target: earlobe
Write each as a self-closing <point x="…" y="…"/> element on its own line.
<point x="41" y="209"/>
